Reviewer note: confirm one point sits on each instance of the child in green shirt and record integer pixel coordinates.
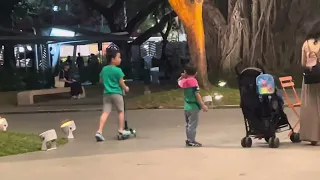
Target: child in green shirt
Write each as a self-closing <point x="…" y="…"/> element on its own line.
<point x="112" y="78"/>
<point x="193" y="103"/>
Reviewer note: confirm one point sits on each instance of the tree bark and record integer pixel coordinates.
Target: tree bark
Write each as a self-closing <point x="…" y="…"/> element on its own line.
<point x="190" y="13"/>
<point x="270" y="33"/>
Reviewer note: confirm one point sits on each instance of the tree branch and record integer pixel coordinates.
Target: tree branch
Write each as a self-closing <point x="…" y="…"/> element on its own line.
<point x="107" y="13"/>
<point x="96" y="6"/>
<point x="142" y="15"/>
<point x="118" y="4"/>
<point x="155" y="29"/>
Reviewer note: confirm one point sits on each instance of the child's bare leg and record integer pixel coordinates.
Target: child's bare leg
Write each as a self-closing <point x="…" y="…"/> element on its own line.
<point x="118" y="101"/>
<point x="107" y="107"/>
<point x="121" y="121"/>
<point x="103" y="120"/>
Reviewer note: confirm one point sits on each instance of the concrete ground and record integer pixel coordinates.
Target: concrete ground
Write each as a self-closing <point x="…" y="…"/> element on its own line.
<point x="158" y="152"/>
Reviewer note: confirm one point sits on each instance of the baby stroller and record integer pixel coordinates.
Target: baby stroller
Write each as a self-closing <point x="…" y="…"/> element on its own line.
<point x="262" y="108"/>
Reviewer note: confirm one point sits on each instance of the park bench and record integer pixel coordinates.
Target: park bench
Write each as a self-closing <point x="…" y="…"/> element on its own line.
<point x="26" y="97"/>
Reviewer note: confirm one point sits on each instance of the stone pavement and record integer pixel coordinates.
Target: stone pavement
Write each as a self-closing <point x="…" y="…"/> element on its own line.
<point x="158" y="152"/>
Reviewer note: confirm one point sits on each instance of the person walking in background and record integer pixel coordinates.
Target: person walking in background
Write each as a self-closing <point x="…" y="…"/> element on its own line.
<point x="69" y="61"/>
<point x="94" y="69"/>
<point x="80" y="61"/>
<point x="80" y="64"/>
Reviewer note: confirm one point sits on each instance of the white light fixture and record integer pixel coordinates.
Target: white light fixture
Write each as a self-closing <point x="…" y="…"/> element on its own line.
<point x="222" y="83"/>
<point x="49" y="138"/>
<point x="207" y="100"/>
<point x="29" y="48"/>
<point x="55" y="8"/>
<point x="3" y="124"/>
<point x="62" y="33"/>
<point x="68" y="128"/>
<point x="218" y="97"/>
<point x="21" y="49"/>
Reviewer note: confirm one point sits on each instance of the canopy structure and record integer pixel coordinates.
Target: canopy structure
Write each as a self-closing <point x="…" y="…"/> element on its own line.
<point x="57" y="39"/>
<point x="80" y="36"/>
<point x="51" y="38"/>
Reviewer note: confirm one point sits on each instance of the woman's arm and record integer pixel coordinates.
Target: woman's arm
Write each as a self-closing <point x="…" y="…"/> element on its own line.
<point x="62" y="77"/>
<point x="304" y="55"/>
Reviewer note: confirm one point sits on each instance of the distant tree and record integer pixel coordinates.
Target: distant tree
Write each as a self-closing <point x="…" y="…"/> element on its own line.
<point x="138" y="11"/>
<point x="190" y="13"/>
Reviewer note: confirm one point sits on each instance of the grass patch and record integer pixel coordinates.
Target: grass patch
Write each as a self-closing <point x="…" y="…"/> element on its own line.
<point x="174" y="98"/>
<point x="18" y="143"/>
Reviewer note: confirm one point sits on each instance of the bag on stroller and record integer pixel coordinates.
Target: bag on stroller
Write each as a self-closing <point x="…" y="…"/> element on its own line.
<point x="262" y="108"/>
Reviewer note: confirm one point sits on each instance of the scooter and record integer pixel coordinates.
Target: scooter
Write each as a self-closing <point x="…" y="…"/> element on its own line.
<point x="126" y="127"/>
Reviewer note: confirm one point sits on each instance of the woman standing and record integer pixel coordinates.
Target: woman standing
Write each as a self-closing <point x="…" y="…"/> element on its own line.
<point x="310" y="95"/>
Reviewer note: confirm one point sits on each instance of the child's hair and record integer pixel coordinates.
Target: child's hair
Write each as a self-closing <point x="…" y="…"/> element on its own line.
<point x="190" y="69"/>
<point x="111" y="53"/>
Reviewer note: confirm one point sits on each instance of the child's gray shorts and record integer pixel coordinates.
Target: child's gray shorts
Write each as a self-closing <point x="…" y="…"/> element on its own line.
<point x="110" y="100"/>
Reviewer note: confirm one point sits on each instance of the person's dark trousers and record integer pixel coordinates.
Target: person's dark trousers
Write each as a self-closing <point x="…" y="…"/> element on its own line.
<point x="76" y="88"/>
<point x="81" y="73"/>
<point x="146" y="77"/>
<point x="94" y="73"/>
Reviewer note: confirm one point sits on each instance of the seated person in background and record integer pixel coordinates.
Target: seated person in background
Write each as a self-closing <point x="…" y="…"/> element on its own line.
<point x="76" y="88"/>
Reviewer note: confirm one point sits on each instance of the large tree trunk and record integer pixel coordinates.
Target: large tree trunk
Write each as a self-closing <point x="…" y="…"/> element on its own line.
<point x="265" y="32"/>
<point x="190" y="13"/>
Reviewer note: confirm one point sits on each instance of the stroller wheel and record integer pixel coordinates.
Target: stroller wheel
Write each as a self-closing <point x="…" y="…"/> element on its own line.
<point x="246" y="142"/>
<point x="267" y="139"/>
<point x="274" y="142"/>
<point x="314" y="143"/>
<point x="295" y="138"/>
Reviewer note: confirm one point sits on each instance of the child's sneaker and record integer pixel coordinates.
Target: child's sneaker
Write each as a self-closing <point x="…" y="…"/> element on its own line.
<point x="193" y="144"/>
<point x="74" y="97"/>
<point x="99" y="137"/>
<point x="124" y="133"/>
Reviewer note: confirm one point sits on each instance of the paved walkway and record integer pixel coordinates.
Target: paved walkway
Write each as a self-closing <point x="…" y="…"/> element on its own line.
<point x="158" y="152"/>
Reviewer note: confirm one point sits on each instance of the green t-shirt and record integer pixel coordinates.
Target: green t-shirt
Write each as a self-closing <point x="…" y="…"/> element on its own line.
<point x="190" y="99"/>
<point x="110" y="76"/>
<point x="190" y="88"/>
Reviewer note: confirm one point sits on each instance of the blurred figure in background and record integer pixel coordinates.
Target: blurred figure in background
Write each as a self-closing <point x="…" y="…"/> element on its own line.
<point x="94" y="69"/>
<point x="80" y="64"/>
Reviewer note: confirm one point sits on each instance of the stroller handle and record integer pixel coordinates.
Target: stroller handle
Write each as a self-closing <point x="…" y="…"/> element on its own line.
<point x="236" y="68"/>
